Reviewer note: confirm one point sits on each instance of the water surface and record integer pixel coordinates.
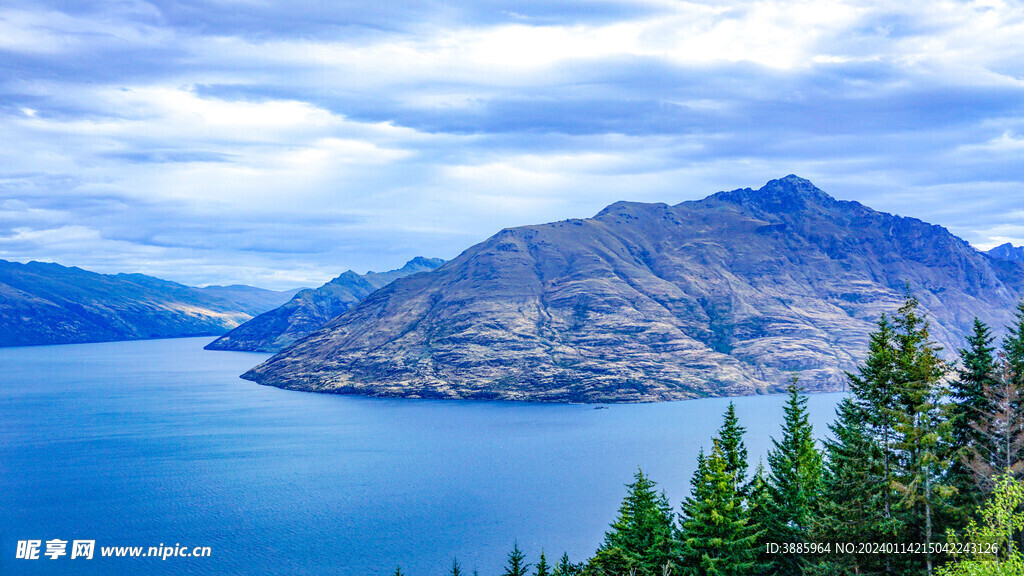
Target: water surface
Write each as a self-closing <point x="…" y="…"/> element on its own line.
<point x="159" y="442"/>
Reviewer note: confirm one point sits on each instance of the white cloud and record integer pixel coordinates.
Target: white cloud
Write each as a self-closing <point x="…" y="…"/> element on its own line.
<point x="361" y="148"/>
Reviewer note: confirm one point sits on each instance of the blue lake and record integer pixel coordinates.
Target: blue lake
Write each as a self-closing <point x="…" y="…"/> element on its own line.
<point x="159" y="442"/>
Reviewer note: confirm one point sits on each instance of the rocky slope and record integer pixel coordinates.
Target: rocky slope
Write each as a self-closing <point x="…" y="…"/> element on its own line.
<point x="648" y="302"/>
<point x="1008" y="252"/>
<point x="44" y="303"/>
<point x="310" y="309"/>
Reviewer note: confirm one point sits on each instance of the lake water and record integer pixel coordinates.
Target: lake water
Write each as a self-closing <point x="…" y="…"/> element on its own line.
<point x="160" y="443"/>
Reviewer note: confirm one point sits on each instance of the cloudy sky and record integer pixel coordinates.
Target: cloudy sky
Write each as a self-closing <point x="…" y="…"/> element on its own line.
<point x="279" y="143"/>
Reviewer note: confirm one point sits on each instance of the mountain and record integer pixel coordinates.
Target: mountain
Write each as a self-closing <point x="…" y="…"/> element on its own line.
<point x="311" y="309"/>
<point x="1008" y="252"/>
<point x="43" y="303"/>
<point x="647" y="302"/>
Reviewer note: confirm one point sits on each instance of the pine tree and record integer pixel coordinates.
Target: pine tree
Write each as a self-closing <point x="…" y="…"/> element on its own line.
<point x="873" y="390"/>
<point x="516" y="565"/>
<point x="794" y="481"/>
<point x="898" y="397"/>
<point x="921" y="430"/>
<point x="759" y="509"/>
<point x="1013" y="348"/>
<point x="717" y="538"/>
<point x="730" y="436"/>
<point x="988" y="425"/>
<point x="565" y="567"/>
<point x="643" y="537"/>
<point x="972" y="414"/>
<point x="1005" y="427"/>
<point x="542" y="566"/>
<point x="398" y="571"/>
<point x="850" y="507"/>
<point x="1013" y="375"/>
<point x="456" y="569"/>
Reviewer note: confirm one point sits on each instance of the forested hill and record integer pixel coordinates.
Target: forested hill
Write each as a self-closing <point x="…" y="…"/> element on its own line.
<point x="646" y="302"/>
<point x="42" y="303"/>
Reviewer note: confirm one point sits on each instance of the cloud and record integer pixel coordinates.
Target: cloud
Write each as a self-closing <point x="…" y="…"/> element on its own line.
<point x="273" y="143"/>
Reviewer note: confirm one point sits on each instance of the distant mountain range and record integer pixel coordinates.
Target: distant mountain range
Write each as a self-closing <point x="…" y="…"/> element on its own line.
<point x="646" y="302"/>
<point x="310" y="309"/>
<point x="1008" y="252"/>
<point x="44" y="303"/>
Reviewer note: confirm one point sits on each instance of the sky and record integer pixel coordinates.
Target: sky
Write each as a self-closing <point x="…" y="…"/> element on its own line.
<point x="279" y="143"/>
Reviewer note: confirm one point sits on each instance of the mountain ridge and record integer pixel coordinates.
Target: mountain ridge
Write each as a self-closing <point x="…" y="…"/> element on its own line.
<point x="47" y="303"/>
<point x="1007" y="251"/>
<point x="310" y="309"/>
<point x="646" y="302"/>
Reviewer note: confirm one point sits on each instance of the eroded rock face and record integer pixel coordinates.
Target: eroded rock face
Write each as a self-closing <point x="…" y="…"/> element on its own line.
<point x="648" y="302"/>
<point x="310" y="309"/>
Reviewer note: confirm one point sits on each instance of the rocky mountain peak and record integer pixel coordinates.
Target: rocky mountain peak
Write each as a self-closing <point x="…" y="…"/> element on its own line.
<point x="312" y="308"/>
<point x="1008" y="252"/>
<point x="346" y="277"/>
<point x="420" y="263"/>
<point x="784" y="195"/>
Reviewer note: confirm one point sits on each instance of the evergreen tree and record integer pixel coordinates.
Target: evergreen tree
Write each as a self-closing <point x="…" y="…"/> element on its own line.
<point x="1013" y="348"/>
<point x="988" y="426"/>
<point x="921" y="431"/>
<point x="873" y="390"/>
<point x="1005" y="430"/>
<point x="398" y="571"/>
<point x="516" y="565"/>
<point x="456" y="569"/>
<point x="850" y="507"/>
<point x="897" y="404"/>
<point x="717" y="538"/>
<point x="794" y="481"/>
<point x="972" y="414"/>
<point x="565" y="567"/>
<point x="542" y="566"/>
<point x="1013" y="376"/>
<point x="730" y="437"/>
<point x="759" y="509"/>
<point x="1013" y="351"/>
<point x="643" y="537"/>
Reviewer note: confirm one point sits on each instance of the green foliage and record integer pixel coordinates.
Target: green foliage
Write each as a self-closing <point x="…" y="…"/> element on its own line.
<point x="456" y="569"/>
<point x="850" y="507"/>
<point x="730" y="436"/>
<point x="542" y="566"/>
<point x="793" y="483"/>
<point x="610" y="562"/>
<point x="642" y="538"/>
<point x="759" y="510"/>
<point x="566" y="568"/>
<point x="717" y="538"/>
<point x="898" y="396"/>
<point x="1000" y="519"/>
<point x="1013" y="347"/>
<point x="516" y="564"/>
<point x="398" y="571"/>
<point x="921" y="430"/>
<point x="972" y="420"/>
